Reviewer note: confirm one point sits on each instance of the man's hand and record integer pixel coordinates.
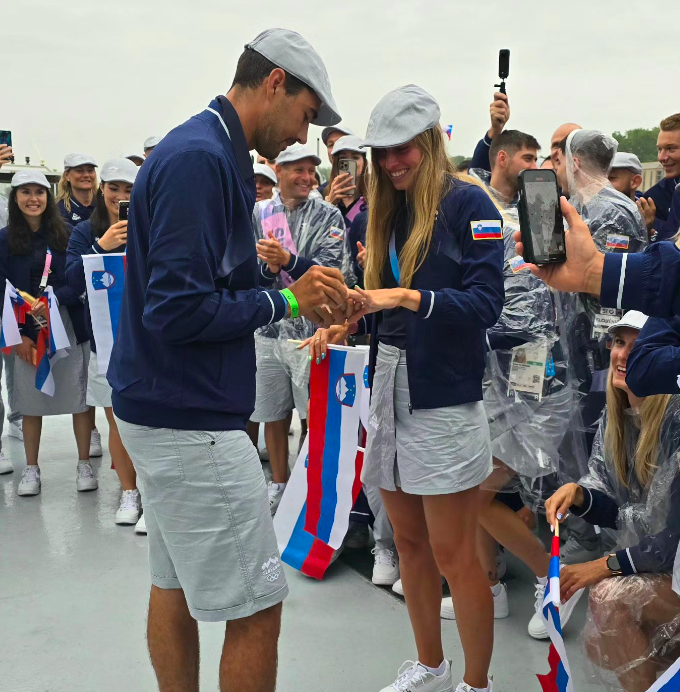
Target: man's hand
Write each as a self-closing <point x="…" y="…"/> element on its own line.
<point x="5" y="154"/>
<point x="26" y="350"/>
<point x="582" y="272"/>
<point x="500" y="114"/>
<point x="648" y="210"/>
<point x="271" y="252"/>
<point x="361" y="255"/>
<point x="575" y="577"/>
<point x="322" y="295"/>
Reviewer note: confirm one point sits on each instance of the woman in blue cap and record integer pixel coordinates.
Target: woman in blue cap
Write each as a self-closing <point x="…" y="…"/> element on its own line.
<point x="434" y="275"/>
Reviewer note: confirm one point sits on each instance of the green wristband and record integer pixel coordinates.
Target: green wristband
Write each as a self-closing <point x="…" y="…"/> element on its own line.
<point x="292" y="301"/>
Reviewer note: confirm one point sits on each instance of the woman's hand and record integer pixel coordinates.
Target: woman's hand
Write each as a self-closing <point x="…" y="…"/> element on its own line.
<point x="341" y="188"/>
<point x="25" y="350"/>
<point x="114" y="237"/>
<point x="39" y="309"/>
<point x="271" y="252"/>
<point x="318" y="344"/>
<point x="383" y="299"/>
<point x="575" y="577"/>
<point x="557" y="507"/>
<point x="361" y="256"/>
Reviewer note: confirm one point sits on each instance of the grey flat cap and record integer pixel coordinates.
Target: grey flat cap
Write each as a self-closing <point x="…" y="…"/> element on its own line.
<point x="623" y="159"/>
<point x="30" y="178"/>
<point x="119" y="170"/>
<point x="328" y="131"/>
<point x="151" y="142"/>
<point x="348" y="143"/>
<point x="292" y="53"/>
<point x="266" y="171"/>
<point x="75" y="160"/>
<point x="297" y="152"/>
<point x="400" y="116"/>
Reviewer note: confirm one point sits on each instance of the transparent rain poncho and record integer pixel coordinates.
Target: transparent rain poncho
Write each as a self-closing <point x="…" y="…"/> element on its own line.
<point x="527" y="395"/>
<point x="4" y="214"/>
<point x="633" y="626"/>
<point x="318" y="231"/>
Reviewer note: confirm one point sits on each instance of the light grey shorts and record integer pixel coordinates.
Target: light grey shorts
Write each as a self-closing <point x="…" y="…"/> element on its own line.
<point x="282" y="380"/>
<point x="208" y="521"/>
<point x="427" y="451"/>
<point x="98" y="387"/>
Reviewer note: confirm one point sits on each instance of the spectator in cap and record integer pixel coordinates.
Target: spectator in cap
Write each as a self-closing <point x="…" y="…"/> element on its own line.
<point x="101" y="234"/>
<point x="626" y="174"/>
<point x="313" y="234"/>
<point x="32" y="257"/>
<point x="330" y="135"/>
<point x="136" y="159"/>
<point x="150" y="143"/>
<point x="267" y="162"/>
<point x="183" y="363"/>
<point x="77" y="188"/>
<point x="265" y="182"/>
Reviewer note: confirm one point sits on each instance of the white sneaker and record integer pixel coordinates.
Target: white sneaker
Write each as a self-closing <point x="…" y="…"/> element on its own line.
<point x="96" y="444"/>
<point x="537" y="626"/>
<point x="398" y="588"/>
<point x="30" y="481"/>
<point x="414" y="677"/>
<point x="275" y="492"/>
<point x="140" y="526"/>
<point x="85" y="479"/>
<point x="385" y="568"/>
<point x="5" y="464"/>
<point x="130" y="506"/>
<point x="16" y="430"/>
<point x="464" y="687"/>
<point x="500" y="606"/>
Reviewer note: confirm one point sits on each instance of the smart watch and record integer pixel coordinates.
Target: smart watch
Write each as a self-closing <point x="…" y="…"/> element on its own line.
<point x="613" y="565"/>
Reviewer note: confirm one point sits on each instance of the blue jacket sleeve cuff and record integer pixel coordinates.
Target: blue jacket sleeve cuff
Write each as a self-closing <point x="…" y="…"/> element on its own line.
<point x="279" y="305"/>
<point x="427" y="304"/>
<point x="98" y="248"/>
<point x="626" y="562"/>
<point x="587" y="505"/>
<point x="487" y="140"/>
<point x="622" y="286"/>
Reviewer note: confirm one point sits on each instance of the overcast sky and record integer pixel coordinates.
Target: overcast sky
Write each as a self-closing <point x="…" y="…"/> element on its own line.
<point x="99" y="77"/>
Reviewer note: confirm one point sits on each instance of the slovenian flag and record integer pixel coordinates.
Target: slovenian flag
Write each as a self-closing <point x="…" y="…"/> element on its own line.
<point x="105" y="281"/>
<point x="337" y="385"/>
<point x="53" y="344"/>
<point x="486" y="230"/>
<point x="559" y="677"/>
<point x="9" y="330"/>
<point x="669" y="681"/>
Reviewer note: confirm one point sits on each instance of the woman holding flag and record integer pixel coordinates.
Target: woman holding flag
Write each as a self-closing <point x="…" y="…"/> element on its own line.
<point x="104" y="233"/>
<point x="434" y="275"/>
<point x="33" y="259"/>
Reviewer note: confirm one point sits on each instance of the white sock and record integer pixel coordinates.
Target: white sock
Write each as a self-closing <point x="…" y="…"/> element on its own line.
<point x="480" y="689"/>
<point x="496" y="590"/>
<point x="436" y="671"/>
<point x="278" y="486"/>
<point x="542" y="580"/>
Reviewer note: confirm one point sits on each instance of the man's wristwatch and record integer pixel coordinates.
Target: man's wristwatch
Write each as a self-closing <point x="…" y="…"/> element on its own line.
<point x="613" y="565"/>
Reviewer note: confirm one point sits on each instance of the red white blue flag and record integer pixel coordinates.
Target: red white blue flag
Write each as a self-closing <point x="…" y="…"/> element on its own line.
<point x="52" y="345"/>
<point x="9" y="332"/>
<point x="669" y="681"/>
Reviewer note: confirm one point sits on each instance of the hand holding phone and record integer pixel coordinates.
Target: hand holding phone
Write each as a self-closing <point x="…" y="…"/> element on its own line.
<point x="540" y="217"/>
<point x="123" y="208"/>
<point x="6" y="155"/>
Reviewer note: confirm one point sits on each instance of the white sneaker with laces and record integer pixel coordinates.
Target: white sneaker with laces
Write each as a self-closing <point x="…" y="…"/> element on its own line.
<point x="16" y="430"/>
<point x="414" y="677"/>
<point x="275" y="493"/>
<point x="85" y="478"/>
<point x="130" y="506"/>
<point x="96" y="444"/>
<point x="140" y="526"/>
<point x="385" y="568"/>
<point x="30" y="481"/>
<point x="5" y="464"/>
<point x="500" y="606"/>
<point x="464" y="687"/>
<point x="537" y="627"/>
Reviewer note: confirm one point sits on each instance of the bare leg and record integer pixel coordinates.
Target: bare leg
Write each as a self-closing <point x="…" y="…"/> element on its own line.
<point x="32" y="431"/>
<point x="82" y="427"/>
<point x="420" y="575"/>
<point x="172" y="636"/>
<point x="452" y="527"/>
<point x="276" y="437"/>
<point x="487" y="549"/>
<point x="121" y="459"/>
<point x="250" y="656"/>
<point x="93" y="416"/>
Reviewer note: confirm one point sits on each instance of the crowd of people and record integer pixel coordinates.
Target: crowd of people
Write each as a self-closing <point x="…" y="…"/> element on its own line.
<point x="501" y="392"/>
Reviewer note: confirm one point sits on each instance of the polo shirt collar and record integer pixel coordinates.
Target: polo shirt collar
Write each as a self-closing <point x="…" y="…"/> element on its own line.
<point x="238" y="138"/>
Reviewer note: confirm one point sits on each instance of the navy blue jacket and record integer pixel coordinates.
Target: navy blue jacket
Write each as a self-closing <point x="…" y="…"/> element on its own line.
<point x="480" y="159"/>
<point x="653" y="366"/>
<point x="461" y="287"/>
<point x="78" y="211"/>
<point x="662" y="194"/>
<point x="83" y="241"/>
<point x="17" y="268"/>
<point x="184" y="355"/>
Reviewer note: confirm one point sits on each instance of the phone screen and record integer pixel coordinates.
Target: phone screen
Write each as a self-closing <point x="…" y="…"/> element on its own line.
<point x="545" y="220"/>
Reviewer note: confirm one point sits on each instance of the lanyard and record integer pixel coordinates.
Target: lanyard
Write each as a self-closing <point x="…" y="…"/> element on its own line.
<point x="394" y="260"/>
<point x="46" y="270"/>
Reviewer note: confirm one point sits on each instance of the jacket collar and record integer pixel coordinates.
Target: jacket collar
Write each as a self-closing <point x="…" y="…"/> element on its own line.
<point x="238" y="138"/>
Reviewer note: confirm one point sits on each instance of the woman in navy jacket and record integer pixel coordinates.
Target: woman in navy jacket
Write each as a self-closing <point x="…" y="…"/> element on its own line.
<point x="101" y="234"/>
<point x="35" y="227"/>
<point x="434" y="272"/>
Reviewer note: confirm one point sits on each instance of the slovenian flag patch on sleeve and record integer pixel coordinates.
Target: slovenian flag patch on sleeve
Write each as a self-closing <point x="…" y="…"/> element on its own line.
<point x="486" y="230"/>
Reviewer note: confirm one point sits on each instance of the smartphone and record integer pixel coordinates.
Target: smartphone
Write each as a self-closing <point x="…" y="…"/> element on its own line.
<point x="349" y="166"/>
<point x="6" y="138"/>
<point x="123" y="207"/>
<point x="540" y="217"/>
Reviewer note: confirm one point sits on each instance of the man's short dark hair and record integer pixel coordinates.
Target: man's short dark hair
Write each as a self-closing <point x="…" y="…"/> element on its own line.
<point x="464" y="166"/>
<point x="511" y="141"/>
<point x="597" y="155"/>
<point x="252" y="68"/>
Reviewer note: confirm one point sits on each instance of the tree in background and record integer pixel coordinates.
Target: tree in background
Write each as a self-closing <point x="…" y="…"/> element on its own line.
<point x="457" y="160"/>
<point x="639" y="141"/>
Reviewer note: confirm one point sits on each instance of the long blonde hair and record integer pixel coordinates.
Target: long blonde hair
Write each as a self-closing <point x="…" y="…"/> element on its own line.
<point x="652" y="412"/>
<point x="432" y="181"/>
<point x="64" y="190"/>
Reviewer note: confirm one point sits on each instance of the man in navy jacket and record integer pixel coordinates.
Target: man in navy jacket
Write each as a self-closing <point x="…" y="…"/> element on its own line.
<point x="183" y="365"/>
